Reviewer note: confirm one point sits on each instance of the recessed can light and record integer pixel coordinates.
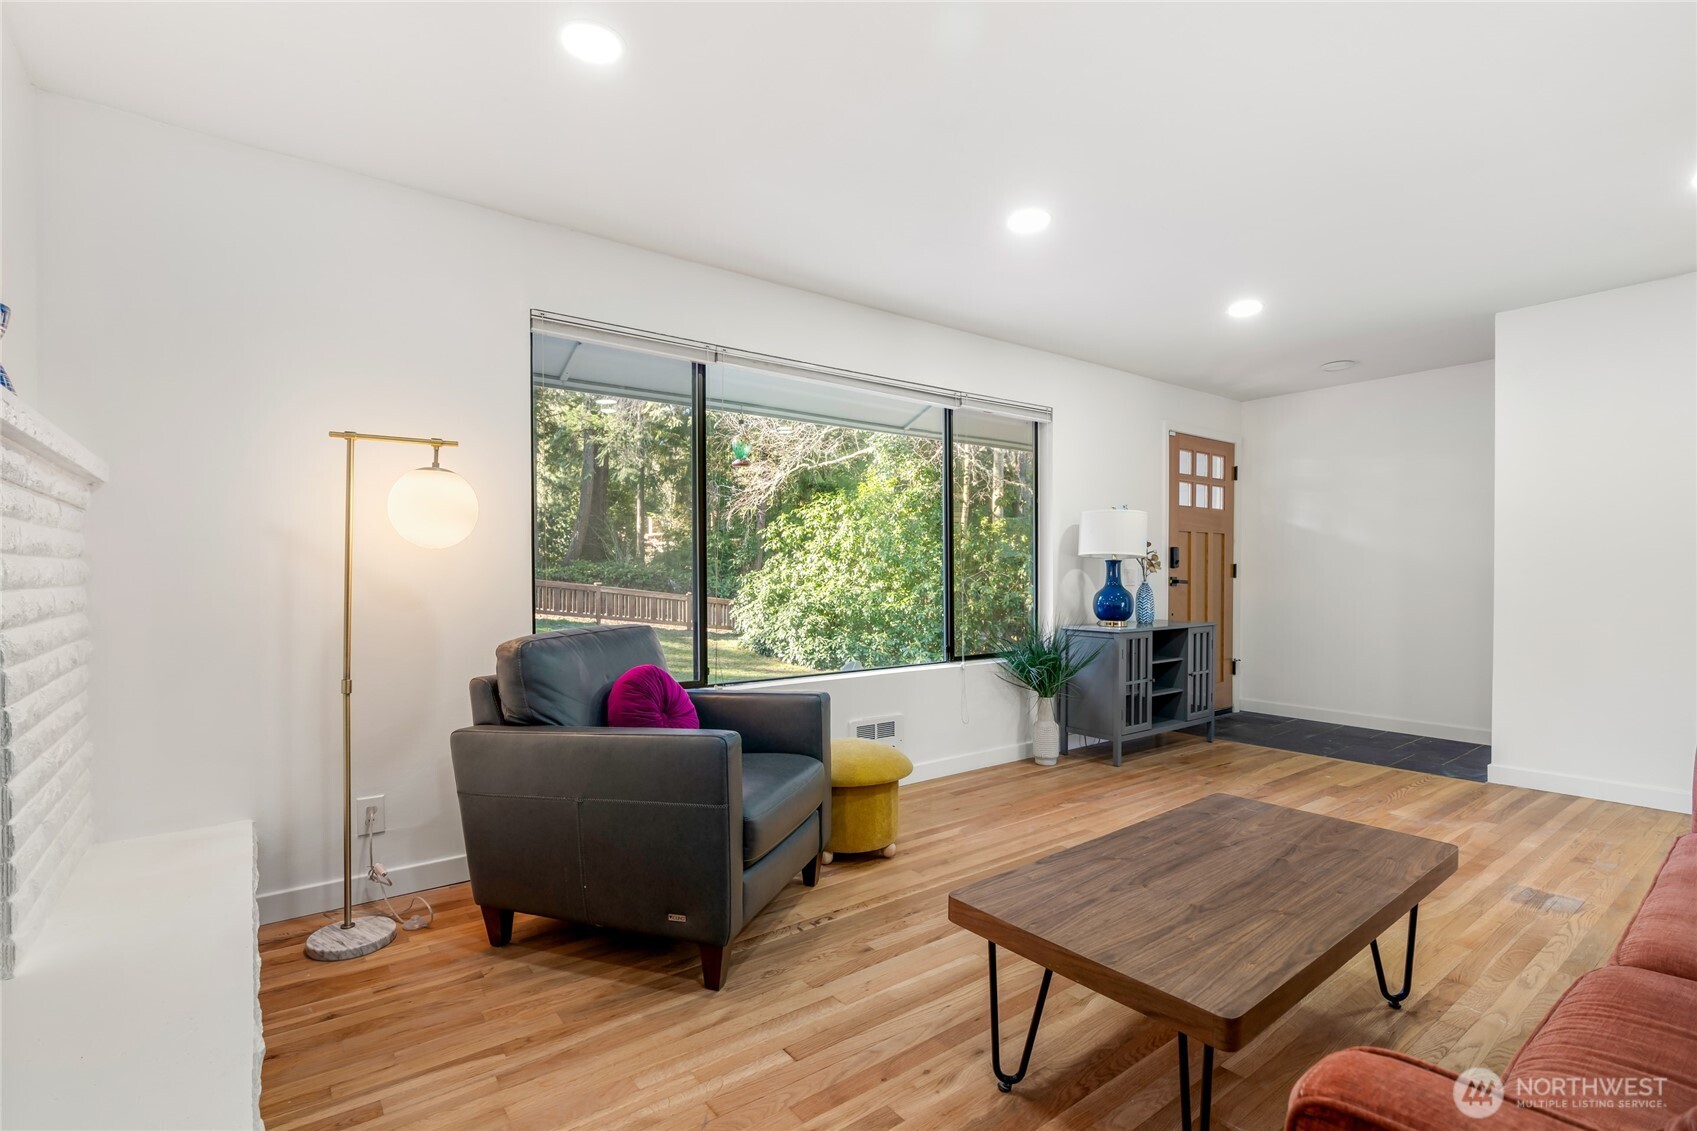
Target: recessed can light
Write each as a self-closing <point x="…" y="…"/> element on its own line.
<point x="1337" y="366"/>
<point x="1027" y="221"/>
<point x="591" y="43"/>
<point x="1244" y="308"/>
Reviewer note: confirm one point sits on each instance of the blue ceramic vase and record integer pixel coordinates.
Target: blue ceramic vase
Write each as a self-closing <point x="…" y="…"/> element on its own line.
<point x="1113" y="600"/>
<point x="1145" y="603"/>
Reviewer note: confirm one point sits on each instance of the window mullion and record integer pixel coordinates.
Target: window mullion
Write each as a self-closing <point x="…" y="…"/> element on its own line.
<point x="698" y="470"/>
<point x="949" y="649"/>
<point x="1036" y="529"/>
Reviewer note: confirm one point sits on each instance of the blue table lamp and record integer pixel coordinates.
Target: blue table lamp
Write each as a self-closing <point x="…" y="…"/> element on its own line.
<point x="1113" y="535"/>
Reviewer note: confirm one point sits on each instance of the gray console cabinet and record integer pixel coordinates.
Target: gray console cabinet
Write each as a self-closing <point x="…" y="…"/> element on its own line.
<point x="1147" y="679"/>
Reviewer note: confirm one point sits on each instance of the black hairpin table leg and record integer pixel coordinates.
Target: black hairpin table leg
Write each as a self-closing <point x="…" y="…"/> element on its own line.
<point x="1184" y="1082"/>
<point x="1396" y="999"/>
<point x="1003" y="1080"/>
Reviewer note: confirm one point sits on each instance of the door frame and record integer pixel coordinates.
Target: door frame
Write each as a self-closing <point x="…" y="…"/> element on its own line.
<point x="1235" y="439"/>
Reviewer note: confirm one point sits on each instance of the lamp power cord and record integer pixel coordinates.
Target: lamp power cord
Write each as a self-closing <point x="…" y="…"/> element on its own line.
<point x="409" y="919"/>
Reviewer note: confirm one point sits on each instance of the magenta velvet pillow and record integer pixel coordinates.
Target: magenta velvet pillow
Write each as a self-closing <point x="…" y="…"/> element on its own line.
<point x="647" y="696"/>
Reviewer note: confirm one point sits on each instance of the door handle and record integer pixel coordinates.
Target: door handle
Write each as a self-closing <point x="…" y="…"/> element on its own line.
<point x="1172" y="581"/>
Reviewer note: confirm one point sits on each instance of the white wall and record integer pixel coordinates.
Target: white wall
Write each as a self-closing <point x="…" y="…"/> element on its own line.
<point x="19" y="208"/>
<point x="1596" y="545"/>
<point x="1365" y="525"/>
<point x="215" y="310"/>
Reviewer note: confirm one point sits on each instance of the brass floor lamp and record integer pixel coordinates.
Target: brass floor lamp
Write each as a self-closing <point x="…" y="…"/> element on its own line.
<point x="430" y="507"/>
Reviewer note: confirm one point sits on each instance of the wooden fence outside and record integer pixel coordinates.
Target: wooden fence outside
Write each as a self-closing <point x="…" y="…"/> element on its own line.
<point x="604" y="603"/>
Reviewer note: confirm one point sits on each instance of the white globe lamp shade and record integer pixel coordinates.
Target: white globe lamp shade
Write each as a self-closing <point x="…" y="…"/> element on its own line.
<point x="1113" y="534"/>
<point x="432" y="507"/>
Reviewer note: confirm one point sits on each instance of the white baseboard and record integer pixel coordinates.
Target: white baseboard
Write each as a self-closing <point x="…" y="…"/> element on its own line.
<point x="1603" y="789"/>
<point x="293" y="902"/>
<point x="972" y="760"/>
<point x="1479" y="736"/>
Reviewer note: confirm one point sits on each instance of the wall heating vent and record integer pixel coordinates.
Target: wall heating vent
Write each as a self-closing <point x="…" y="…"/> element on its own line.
<point x="886" y="730"/>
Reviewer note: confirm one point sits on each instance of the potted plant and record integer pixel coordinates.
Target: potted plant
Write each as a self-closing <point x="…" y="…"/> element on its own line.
<point x="1045" y="662"/>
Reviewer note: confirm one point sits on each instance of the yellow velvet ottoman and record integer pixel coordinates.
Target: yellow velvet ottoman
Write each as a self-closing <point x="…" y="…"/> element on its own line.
<point x="863" y="796"/>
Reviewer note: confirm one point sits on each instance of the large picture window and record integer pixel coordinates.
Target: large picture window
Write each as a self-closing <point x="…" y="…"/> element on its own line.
<point x="770" y="525"/>
<point x="613" y="438"/>
<point x="994" y="527"/>
<point x="825" y="523"/>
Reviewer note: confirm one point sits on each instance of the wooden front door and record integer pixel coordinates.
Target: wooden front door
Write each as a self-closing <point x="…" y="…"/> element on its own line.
<point x="1200" y="505"/>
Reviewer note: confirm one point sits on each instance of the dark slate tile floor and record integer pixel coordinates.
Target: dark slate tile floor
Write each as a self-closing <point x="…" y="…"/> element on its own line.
<point x="1357" y="744"/>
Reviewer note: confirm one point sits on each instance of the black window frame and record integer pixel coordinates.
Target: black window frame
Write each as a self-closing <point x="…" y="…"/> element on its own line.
<point x="698" y="528"/>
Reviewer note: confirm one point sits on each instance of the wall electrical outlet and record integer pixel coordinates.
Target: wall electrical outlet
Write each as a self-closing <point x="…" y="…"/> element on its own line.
<point x="378" y="823"/>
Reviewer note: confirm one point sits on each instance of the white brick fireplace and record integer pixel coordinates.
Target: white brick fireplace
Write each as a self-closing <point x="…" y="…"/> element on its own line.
<point x="46" y="480"/>
<point x="189" y="1051"/>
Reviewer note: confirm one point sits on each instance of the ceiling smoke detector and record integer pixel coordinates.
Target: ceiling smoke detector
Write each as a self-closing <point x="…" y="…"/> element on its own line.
<point x="1337" y="366"/>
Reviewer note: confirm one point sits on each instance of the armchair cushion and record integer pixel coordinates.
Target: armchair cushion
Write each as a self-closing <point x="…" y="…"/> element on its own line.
<point x="563" y="678"/>
<point x="647" y="696"/>
<point x="779" y="791"/>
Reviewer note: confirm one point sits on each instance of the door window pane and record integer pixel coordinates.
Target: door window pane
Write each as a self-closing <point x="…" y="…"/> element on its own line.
<point x="824" y="527"/>
<point x="1184" y="492"/>
<point x="615" y="492"/>
<point x="1183" y="462"/>
<point x="994" y="516"/>
<point x="1219" y="498"/>
<point x="1219" y="467"/>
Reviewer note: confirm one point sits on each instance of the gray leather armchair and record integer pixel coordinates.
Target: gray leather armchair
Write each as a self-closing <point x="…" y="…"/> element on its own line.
<point x="682" y="833"/>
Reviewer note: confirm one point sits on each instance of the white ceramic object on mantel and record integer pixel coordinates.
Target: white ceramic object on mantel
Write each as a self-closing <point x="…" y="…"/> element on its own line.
<point x="1046" y="734"/>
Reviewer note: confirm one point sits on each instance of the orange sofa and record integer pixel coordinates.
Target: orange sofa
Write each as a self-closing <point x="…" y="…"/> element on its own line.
<point x="1633" y="1019"/>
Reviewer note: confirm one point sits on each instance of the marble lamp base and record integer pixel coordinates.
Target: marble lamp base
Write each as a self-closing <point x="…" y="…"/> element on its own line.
<point x="336" y="942"/>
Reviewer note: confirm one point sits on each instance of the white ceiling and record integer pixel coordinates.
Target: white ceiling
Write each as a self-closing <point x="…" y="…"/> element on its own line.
<point x="1384" y="176"/>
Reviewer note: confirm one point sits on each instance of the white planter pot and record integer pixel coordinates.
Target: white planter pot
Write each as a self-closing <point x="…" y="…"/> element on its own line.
<point x="1046" y="734"/>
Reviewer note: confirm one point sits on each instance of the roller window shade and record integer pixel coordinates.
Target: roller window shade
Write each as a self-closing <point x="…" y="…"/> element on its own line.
<point x="569" y="352"/>
<point x="757" y="392"/>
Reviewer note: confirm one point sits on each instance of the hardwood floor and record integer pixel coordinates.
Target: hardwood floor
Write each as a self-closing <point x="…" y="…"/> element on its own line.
<point x="856" y="1004"/>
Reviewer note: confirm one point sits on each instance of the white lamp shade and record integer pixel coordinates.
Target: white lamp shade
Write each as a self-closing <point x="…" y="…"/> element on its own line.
<point x="432" y="507"/>
<point x="1113" y="534"/>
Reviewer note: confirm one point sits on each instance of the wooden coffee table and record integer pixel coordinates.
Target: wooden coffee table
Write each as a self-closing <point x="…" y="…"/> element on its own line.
<point x="1216" y="917"/>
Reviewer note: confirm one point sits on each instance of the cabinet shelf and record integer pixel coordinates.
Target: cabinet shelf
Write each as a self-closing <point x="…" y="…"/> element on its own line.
<point x="1160" y="691"/>
<point x="1169" y="660"/>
